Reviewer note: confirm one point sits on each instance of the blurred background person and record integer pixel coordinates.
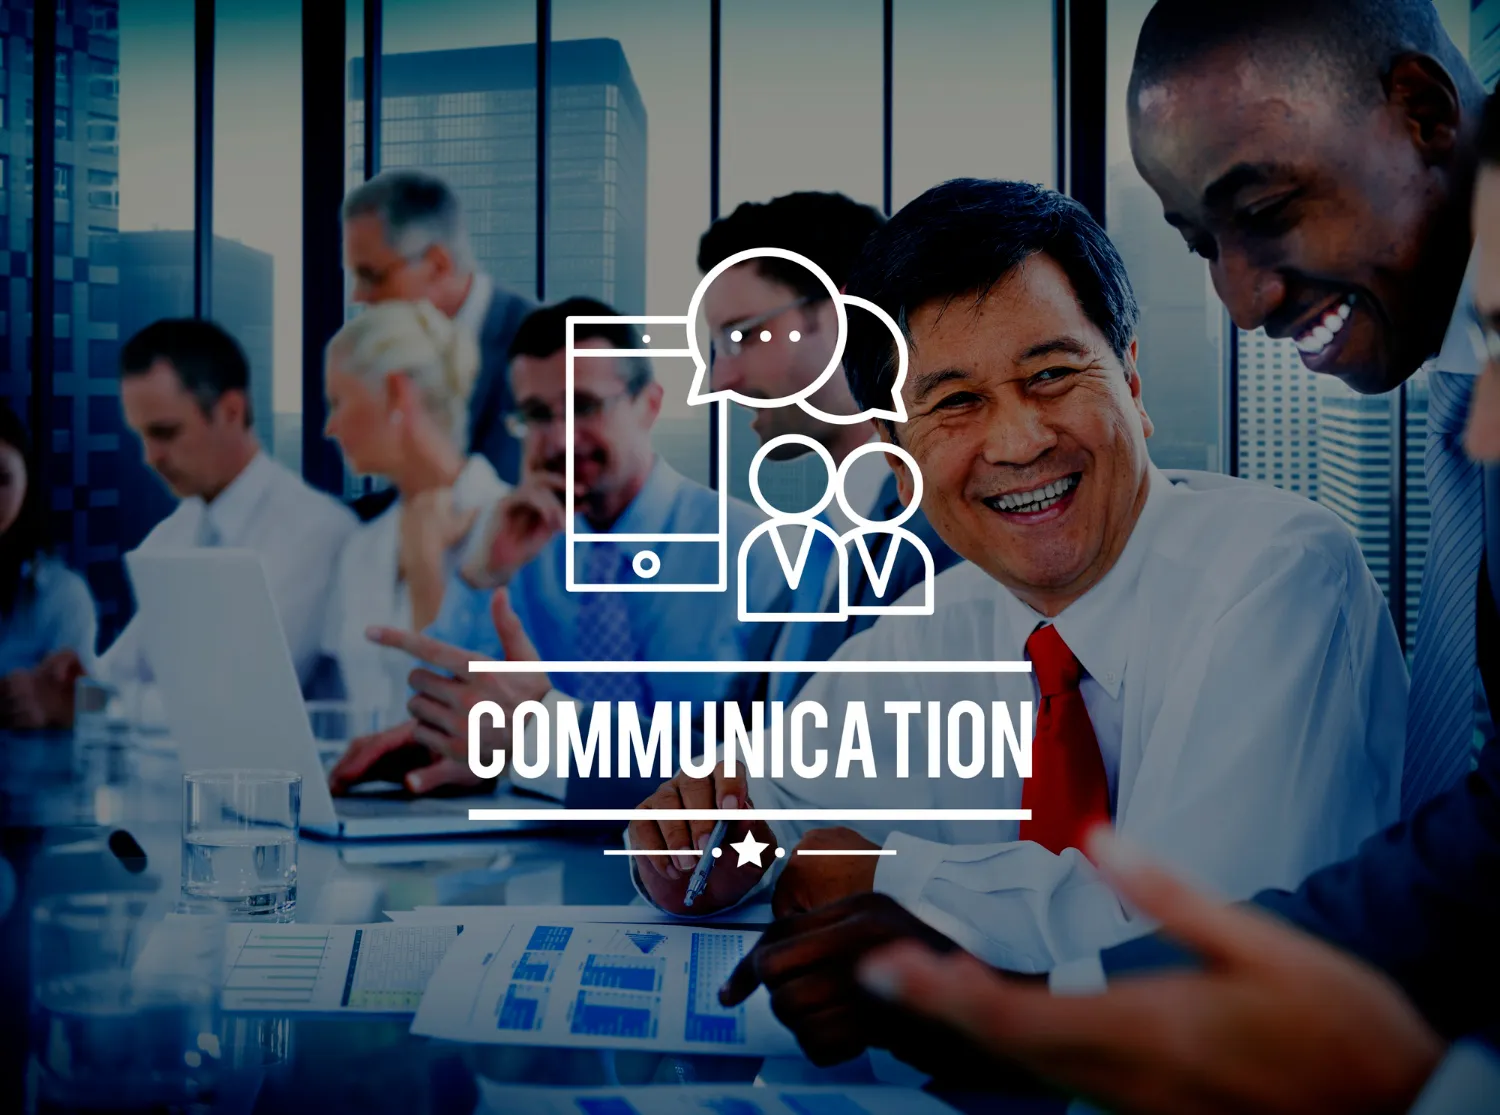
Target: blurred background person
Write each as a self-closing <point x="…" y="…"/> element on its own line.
<point x="185" y="390"/>
<point x="45" y="607"/>
<point x="405" y="240"/>
<point x="398" y="379"/>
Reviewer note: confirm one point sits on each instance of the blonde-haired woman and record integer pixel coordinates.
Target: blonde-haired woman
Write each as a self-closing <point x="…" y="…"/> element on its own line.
<point x="398" y="378"/>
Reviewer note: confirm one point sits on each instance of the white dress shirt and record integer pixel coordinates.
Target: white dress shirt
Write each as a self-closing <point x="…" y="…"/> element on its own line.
<point x="367" y="591"/>
<point x="297" y="532"/>
<point x="1246" y="688"/>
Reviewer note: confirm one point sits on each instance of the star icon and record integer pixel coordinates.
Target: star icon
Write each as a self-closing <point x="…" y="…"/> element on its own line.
<point x="750" y="850"/>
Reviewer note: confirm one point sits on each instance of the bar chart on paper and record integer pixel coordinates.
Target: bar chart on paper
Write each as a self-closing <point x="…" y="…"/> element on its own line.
<point x="600" y="985"/>
<point x="381" y="969"/>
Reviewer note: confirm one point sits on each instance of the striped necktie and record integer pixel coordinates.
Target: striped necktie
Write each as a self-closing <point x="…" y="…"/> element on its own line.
<point x="1440" y="716"/>
<point x="604" y="630"/>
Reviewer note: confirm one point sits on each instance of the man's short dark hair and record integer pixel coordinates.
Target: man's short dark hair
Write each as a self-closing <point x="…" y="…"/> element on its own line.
<point x="544" y="332"/>
<point x="829" y="229"/>
<point x="205" y="357"/>
<point x="959" y="240"/>
<point x="1353" y="42"/>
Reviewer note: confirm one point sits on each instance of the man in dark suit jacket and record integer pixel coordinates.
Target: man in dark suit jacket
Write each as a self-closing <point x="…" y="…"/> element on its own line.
<point x="404" y="238"/>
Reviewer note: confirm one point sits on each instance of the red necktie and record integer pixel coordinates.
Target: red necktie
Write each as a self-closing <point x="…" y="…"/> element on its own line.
<point x="1067" y="792"/>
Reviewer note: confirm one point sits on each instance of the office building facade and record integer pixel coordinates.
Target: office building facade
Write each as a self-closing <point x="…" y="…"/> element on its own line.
<point x="85" y="434"/>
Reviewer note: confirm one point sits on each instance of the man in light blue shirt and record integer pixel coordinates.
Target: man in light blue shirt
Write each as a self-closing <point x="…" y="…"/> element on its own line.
<point x="623" y="494"/>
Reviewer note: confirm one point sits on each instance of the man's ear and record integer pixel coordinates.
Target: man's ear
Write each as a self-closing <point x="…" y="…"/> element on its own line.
<point x="905" y="486"/>
<point x="1421" y="89"/>
<point x="652" y="395"/>
<point x="440" y="259"/>
<point x="1133" y="378"/>
<point x="233" y="408"/>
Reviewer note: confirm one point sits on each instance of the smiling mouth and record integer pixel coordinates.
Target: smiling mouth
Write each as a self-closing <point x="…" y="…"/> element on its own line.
<point x="1322" y="333"/>
<point x="1038" y="499"/>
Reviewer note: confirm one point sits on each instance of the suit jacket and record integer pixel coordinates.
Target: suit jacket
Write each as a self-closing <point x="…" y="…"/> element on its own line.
<point x="491" y="398"/>
<point x="1421" y="900"/>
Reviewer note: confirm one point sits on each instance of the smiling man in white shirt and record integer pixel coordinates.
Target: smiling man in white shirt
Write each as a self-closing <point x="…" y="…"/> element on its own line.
<point x="1214" y="666"/>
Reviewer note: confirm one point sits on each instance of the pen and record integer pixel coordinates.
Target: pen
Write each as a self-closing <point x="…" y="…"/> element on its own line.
<point x="698" y="883"/>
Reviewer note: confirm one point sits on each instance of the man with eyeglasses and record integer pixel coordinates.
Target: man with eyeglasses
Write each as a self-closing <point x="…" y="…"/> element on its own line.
<point x="622" y="487"/>
<point x="404" y="239"/>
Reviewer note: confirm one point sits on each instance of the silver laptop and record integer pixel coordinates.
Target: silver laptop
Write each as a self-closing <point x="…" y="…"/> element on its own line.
<point x="210" y="631"/>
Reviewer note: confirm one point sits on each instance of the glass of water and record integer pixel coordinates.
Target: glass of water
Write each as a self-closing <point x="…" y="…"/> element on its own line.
<point x="123" y="1008"/>
<point x="239" y="840"/>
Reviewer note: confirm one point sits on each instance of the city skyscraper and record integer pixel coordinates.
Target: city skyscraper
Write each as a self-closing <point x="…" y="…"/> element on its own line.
<point x="1277" y="414"/>
<point x="470" y="116"/>
<point x="1355" y="467"/>
<point x="85" y="433"/>
<point x="1180" y="331"/>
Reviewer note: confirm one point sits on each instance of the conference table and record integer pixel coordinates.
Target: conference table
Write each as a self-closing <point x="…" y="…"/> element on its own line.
<point x="55" y="792"/>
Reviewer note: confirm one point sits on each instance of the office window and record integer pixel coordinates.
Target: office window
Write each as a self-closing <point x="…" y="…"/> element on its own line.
<point x="103" y="135"/>
<point x="1182" y="333"/>
<point x="628" y="177"/>
<point x="104" y="78"/>
<point x="801" y="99"/>
<point x="104" y="189"/>
<point x="459" y="99"/>
<point x="972" y="93"/>
<point x="257" y="247"/>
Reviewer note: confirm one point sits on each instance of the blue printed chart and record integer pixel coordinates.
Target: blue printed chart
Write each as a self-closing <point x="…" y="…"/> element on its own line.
<point x="608" y="986"/>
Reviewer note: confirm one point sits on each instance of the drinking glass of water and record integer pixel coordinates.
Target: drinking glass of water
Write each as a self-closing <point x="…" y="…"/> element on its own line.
<point x="239" y="840"/>
<point x="123" y="1008"/>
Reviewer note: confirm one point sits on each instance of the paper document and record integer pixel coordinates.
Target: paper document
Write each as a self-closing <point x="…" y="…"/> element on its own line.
<point x="379" y="969"/>
<point x="605" y="986"/>
<point x="758" y="913"/>
<point x="708" y="1099"/>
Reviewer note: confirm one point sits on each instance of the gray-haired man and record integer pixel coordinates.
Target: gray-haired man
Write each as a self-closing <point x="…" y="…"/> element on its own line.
<point x="404" y="238"/>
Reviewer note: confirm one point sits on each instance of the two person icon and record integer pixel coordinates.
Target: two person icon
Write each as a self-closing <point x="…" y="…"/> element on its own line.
<point x="815" y="557"/>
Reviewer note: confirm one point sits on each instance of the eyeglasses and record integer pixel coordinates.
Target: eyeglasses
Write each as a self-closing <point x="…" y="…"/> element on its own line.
<point x="732" y="338"/>
<point x="538" y="416"/>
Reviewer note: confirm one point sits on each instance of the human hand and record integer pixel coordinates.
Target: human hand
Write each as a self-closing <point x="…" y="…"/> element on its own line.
<point x="808" y="964"/>
<point x="440" y="706"/>
<point x="1277" y="1021"/>
<point x="665" y="877"/>
<point x="395" y="755"/>
<point x="41" y="697"/>
<point x="522" y="523"/>
<point x="808" y="882"/>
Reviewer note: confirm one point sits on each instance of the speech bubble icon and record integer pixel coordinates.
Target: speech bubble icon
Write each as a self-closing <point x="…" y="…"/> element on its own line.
<point x="701" y="392"/>
<point x="896" y="411"/>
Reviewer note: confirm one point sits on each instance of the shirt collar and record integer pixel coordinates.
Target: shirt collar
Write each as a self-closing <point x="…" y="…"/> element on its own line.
<point x="476" y="304"/>
<point x="231" y="508"/>
<point x="1098" y="627"/>
<point x="1463" y="349"/>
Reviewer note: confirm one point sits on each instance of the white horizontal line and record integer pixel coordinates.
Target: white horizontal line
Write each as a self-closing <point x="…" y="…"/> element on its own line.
<point x="846" y="851"/>
<point x="636" y="852"/>
<point x="583" y="536"/>
<point x="627" y="319"/>
<point x="644" y="350"/>
<point x="628" y="815"/>
<point x="838" y="667"/>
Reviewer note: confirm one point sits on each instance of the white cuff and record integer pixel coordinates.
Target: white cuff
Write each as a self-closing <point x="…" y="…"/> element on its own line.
<point x="1465" y="1083"/>
<point x="1083" y="976"/>
<point x="550" y="784"/>
<point x="904" y="876"/>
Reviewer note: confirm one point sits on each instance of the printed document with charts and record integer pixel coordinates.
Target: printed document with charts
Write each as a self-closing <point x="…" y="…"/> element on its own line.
<point x="614" y="986"/>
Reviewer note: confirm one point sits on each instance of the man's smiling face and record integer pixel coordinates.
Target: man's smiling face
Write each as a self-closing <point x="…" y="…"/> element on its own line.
<point x="1324" y="218"/>
<point x="1029" y="432"/>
